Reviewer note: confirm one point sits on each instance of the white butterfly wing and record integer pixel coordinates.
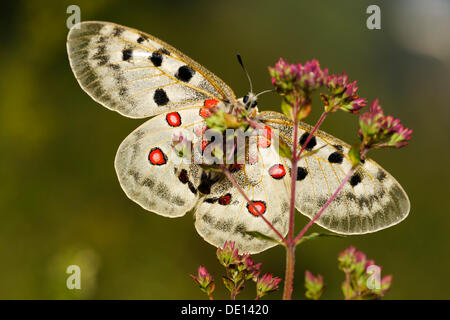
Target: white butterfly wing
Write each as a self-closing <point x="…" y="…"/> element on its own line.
<point x="137" y="74"/>
<point x="372" y="199"/>
<point x="225" y="214"/>
<point x="150" y="170"/>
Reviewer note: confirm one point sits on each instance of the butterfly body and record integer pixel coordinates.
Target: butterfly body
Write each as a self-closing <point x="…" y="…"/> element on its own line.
<point x="139" y="76"/>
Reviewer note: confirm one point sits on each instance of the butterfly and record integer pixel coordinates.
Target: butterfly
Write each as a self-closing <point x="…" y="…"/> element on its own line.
<point x="140" y="76"/>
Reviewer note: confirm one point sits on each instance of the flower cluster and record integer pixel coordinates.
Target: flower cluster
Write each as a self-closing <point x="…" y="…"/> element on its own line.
<point x="205" y="281"/>
<point x="343" y="95"/>
<point x="380" y="131"/>
<point x="288" y="78"/>
<point x="314" y="286"/>
<point x="362" y="276"/>
<point x="239" y="268"/>
<point x="267" y="283"/>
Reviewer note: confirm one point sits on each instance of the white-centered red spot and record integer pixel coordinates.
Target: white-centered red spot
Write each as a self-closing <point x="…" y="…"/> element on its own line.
<point x="173" y="119"/>
<point x="208" y="104"/>
<point x="264" y="140"/>
<point x="157" y="157"/>
<point x="277" y="171"/>
<point x="260" y="205"/>
<point x="224" y="200"/>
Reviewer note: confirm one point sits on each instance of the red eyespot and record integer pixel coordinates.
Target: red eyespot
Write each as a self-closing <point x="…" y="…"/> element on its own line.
<point x="260" y="205"/>
<point x="205" y="112"/>
<point x="173" y="119"/>
<point x="224" y="200"/>
<point x="277" y="171"/>
<point x="264" y="141"/>
<point x="157" y="157"/>
<point x="211" y="103"/>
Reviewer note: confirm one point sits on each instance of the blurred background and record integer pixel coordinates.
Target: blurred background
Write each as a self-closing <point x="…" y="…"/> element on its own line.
<point x="61" y="203"/>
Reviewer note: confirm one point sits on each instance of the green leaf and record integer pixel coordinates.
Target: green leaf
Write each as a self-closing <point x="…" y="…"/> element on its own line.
<point x="284" y="150"/>
<point x="286" y="108"/>
<point x="261" y="236"/>
<point x="229" y="284"/>
<point x="316" y="235"/>
<point x="355" y="154"/>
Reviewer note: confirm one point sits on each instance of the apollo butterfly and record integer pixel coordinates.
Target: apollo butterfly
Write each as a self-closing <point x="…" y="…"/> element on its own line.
<point x="140" y="76"/>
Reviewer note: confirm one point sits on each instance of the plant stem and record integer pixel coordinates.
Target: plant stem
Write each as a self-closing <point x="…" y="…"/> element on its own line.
<point x="347" y="283"/>
<point x="290" y="249"/>
<point x="238" y="187"/>
<point x="236" y="290"/>
<point x="326" y="205"/>
<point x="289" y="274"/>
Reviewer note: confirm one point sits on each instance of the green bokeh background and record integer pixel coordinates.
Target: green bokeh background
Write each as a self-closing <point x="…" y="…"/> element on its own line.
<point x="61" y="203"/>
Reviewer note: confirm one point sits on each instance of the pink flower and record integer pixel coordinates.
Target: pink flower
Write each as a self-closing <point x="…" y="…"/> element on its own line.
<point x="386" y="283"/>
<point x="343" y="95"/>
<point x="380" y="131"/>
<point x="228" y="254"/>
<point x="267" y="283"/>
<point x="290" y="77"/>
<point x="204" y="280"/>
<point x="314" y="285"/>
<point x="253" y="270"/>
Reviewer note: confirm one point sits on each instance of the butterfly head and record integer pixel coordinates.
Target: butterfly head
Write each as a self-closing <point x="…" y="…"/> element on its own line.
<point x="250" y="102"/>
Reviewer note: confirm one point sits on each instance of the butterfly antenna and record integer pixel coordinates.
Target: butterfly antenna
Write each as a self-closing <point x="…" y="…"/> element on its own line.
<point x="245" y="70"/>
<point x="265" y="91"/>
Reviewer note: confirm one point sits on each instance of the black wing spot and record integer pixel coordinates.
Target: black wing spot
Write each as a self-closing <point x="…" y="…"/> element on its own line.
<point x="117" y="31"/>
<point x="211" y="200"/>
<point x="160" y="97"/>
<point x="156" y="59"/>
<point x="184" y="74"/>
<point x="192" y="188"/>
<point x="381" y="175"/>
<point x="355" y="179"/>
<point x="183" y="176"/>
<point x="127" y="54"/>
<point x="339" y="147"/>
<point x="142" y="38"/>
<point x="336" y="157"/>
<point x="301" y="173"/>
<point x="311" y="144"/>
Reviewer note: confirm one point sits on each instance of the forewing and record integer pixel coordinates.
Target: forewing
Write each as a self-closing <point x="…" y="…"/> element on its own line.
<point x="224" y="214"/>
<point x="136" y="74"/>
<point x="370" y="201"/>
<point x="150" y="169"/>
